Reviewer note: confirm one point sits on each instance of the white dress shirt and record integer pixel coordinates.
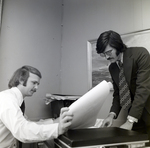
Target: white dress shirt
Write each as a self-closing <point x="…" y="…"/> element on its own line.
<point x="14" y="125"/>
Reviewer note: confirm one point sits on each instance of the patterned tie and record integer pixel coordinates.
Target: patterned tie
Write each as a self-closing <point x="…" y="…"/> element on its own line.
<point x="125" y="98"/>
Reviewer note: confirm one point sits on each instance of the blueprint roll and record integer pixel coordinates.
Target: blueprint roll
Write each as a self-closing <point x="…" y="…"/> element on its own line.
<point x="85" y="110"/>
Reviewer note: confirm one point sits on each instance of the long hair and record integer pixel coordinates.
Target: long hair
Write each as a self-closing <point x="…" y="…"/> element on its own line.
<point x="112" y="39"/>
<point x="22" y="74"/>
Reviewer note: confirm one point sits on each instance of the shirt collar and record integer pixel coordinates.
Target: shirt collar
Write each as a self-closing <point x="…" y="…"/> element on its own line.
<point x="18" y="94"/>
<point x="120" y="58"/>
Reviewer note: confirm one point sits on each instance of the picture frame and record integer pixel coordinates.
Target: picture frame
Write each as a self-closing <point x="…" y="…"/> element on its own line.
<point x="98" y="66"/>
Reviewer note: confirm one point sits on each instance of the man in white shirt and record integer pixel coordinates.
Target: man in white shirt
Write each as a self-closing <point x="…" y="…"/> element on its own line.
<point x="13" y="124"/>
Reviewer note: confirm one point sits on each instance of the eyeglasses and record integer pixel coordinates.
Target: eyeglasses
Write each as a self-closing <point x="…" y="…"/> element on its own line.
<point x="107" y="53"/>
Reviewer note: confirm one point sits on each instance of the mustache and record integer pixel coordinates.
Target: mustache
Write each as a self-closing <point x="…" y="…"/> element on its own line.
<point x="34" y="90"/>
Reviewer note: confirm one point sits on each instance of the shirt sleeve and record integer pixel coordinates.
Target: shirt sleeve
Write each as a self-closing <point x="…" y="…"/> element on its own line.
<point x="45" y="121"/>
<point x="24" y="130"/>
<point x="132" y="118"/>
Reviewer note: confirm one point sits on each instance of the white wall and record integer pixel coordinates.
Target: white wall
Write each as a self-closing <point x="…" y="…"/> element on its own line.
<point x="31" y="35"/>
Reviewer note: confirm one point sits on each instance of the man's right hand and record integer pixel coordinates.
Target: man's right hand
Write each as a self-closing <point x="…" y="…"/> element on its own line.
<point x="108" y="121"/>
<point x="65" y="120"/>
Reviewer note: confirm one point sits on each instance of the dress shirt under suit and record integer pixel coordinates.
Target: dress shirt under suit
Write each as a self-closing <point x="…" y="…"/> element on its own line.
<point x="14" y="125"/>
<point x="136" y="64"/>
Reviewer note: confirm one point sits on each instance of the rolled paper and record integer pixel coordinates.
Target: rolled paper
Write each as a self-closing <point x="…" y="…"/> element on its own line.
<point x="85" y="110"/>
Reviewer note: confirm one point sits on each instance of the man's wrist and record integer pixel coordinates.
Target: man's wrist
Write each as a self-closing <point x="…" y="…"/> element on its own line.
<point x="112" y="115"/>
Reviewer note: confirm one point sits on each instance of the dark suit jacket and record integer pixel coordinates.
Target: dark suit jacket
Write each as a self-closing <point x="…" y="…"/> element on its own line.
<point x="136" y="64"/>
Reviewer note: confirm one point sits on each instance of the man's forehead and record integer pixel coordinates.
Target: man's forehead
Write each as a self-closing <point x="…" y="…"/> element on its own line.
<point x="33" y="76"/>
<point x="108" y="47"/>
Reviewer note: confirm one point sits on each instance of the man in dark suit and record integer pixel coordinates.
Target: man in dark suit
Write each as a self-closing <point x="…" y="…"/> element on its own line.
<point x="136" y="66"/>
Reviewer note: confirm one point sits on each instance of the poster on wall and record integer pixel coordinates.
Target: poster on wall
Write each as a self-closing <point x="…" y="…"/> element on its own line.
<point x="98" y="66"/>
<point x="139" y="39"/>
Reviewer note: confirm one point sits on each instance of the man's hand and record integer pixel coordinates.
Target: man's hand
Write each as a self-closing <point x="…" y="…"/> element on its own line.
<point x="65" y="120"/>
<point x="127" y="125"/>
<point x="108" y="121"/>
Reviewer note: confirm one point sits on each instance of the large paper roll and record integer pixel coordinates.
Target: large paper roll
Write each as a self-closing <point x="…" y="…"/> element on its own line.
<point x="87" y="107"/>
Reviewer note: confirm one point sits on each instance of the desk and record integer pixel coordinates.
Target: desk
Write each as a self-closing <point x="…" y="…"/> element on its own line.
<point x="111" y="137"/>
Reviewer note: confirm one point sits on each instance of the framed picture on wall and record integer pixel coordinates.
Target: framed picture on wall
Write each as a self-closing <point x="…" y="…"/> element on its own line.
<point x="98" y="66"/>
<point x="138" y="38"/>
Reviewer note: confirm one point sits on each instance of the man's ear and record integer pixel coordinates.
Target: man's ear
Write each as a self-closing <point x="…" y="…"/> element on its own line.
<point x="21" y="82"/>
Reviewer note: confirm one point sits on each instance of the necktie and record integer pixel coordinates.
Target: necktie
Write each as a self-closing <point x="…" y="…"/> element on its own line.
<point x="125" y="98"/>
<point x="23" y="107"/>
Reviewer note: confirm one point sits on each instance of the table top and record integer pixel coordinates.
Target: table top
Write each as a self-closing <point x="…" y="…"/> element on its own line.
<point x="100" y="136"/>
